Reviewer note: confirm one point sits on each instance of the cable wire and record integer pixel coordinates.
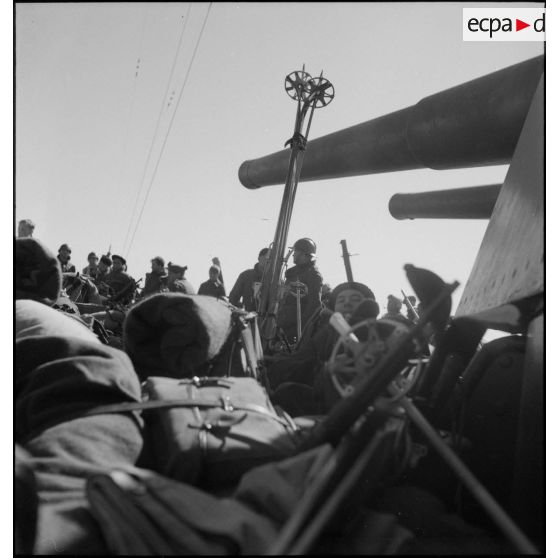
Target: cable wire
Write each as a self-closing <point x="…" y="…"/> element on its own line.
<point x="156" y="130"/>
<point x="132" y="103"/>
<point x="169" y="128"/>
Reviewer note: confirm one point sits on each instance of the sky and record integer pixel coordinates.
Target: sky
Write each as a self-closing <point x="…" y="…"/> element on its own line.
<point x="132" y="120"/>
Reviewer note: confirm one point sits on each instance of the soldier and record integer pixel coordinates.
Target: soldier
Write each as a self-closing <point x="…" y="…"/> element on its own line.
<point x="244" y="293"/>
<point x="103" y="269"/>
<point x="118" y="280"/>
<point x="213" y="286"/>
<point x="176" y="282"/>
<point x="155" y="282"/>
<point x="356" y="302"/>
<point x="64" y="258"/>
<point x="25" y="228"/>
<point x="302" y="289"/>
<point x="93" y="267"/>
<point x="394" y="306"/>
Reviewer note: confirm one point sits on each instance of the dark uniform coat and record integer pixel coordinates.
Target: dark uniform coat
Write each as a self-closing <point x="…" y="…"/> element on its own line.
<point x="286" y="316"/>
<point x="154" y="283"/>
<point x="117" y="280"/>
<point x="212" y="288"/>
<point x="67" y="267"/>
<point x="243" y="289"/>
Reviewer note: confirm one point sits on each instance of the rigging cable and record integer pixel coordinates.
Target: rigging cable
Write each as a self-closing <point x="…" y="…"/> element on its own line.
<point x="170" y="127"/>
<point x="156" y="130"/>
<point x="132" y="103"/>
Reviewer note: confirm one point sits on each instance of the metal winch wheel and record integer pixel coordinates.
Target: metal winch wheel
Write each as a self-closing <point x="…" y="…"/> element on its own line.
<point x="349" y="360"/>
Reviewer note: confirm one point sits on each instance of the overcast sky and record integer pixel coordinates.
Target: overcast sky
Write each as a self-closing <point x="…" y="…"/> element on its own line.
<point x="93" y="81"/>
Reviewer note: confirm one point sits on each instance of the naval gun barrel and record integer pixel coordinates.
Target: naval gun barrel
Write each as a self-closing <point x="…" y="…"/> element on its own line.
<point x="473" y="124"/>
<point x="475" y="202"/>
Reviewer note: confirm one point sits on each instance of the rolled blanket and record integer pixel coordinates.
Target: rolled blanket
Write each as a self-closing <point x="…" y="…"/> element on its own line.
<point x="35" y="319"/>
<point x="175" y="335"/>
<point x="37" y="272"/>
<point x="62" y="370"/>
<point x="60" y="375"/>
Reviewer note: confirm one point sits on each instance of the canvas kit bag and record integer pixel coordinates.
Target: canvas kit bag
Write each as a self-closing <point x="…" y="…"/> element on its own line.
<point x="224" y="427"/>
<point x="208" y="431"/>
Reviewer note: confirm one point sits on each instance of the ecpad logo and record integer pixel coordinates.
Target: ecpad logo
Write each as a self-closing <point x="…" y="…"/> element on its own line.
<point x="494" y="24"/>
<point x="503" y="24"/>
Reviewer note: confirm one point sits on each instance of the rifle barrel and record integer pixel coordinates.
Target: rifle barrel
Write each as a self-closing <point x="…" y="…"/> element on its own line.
<point x="347" y="261"/>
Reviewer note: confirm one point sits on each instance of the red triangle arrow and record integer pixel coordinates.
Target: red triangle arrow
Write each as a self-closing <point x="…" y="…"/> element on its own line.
<point x="519" y="25"/>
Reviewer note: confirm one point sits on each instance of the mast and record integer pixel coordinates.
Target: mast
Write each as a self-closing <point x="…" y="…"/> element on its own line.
<point x="309" y="93"/>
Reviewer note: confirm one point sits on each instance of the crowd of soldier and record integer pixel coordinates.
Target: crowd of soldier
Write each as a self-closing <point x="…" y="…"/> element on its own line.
<point x="303" y="285"/>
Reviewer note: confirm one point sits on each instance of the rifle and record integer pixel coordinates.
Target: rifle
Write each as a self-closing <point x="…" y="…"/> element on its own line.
<point x="347" y="260"/>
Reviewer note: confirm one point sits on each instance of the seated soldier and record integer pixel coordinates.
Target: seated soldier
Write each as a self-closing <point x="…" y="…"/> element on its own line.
<point x="92" y="266"/>
<point x="317" y="343"/>
<point x="81" y="287"/>
<point x="155" y="281"/>
<point x="103" y="269"/>
<point x="64" y="255"/>
<point x="295" y="377"/>
<point x="119" y="282"/>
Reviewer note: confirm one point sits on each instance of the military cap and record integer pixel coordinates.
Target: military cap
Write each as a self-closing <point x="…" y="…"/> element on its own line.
<point x="360" y="287"/>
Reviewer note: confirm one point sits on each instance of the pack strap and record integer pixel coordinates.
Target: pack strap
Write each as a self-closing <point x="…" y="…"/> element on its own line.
<point x="222" y="403"/>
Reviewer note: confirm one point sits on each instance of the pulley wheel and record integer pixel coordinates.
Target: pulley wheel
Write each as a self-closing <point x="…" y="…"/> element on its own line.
<point x="296" y="85"/>
<point x="321" y="91"/>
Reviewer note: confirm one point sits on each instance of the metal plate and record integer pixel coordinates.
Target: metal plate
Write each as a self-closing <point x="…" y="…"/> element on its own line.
<point x="509" y="264"/>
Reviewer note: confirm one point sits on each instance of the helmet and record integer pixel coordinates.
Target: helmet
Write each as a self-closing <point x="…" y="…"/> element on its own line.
<point x="305" y="245"/>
